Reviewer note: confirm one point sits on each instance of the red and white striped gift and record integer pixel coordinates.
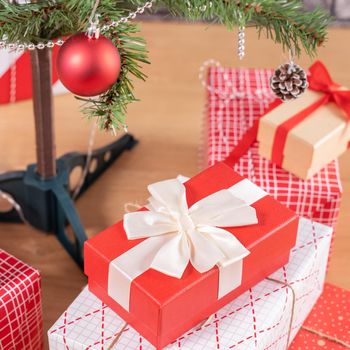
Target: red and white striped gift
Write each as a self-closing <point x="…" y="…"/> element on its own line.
<point x="237" y="98"/>
<point x="15" y="76"/>
<point x="21" y="324"/>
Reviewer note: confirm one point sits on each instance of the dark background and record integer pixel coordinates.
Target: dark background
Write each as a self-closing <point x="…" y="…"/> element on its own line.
<point x="340" y="9"/>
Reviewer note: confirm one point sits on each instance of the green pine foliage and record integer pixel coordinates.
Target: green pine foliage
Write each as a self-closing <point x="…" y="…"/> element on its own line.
<point x="284" y="21"/>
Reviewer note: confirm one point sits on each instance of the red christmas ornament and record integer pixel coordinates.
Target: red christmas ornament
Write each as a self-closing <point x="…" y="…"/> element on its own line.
<point x="88" y="66"/>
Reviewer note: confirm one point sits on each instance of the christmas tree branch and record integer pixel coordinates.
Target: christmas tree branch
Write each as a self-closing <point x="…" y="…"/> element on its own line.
<point x="110" y="107"/>
<point x="284" y="21"/>
<point x="36" y="23"/>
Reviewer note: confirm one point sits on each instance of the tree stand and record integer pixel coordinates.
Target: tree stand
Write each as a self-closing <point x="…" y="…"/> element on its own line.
<point x="43" y="190"/>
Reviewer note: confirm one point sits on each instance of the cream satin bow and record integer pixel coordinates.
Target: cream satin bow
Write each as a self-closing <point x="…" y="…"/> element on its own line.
<point x="191" y="234"/>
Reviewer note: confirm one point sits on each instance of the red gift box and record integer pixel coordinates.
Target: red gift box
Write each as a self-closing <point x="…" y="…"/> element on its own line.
<point x="162" y="307"/>
<point x="328" y="325"/>
<point x="236" y="99"/>
<point x="21" y="325"/>
<point x="16" y="76"/>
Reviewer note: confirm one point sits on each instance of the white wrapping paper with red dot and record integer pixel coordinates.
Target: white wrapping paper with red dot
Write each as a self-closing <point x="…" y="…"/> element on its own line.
<point x="258" y="319"/>
<point x="330" y="318"/>
<point x="15" y="76"/>
<point x="238" y="97"/>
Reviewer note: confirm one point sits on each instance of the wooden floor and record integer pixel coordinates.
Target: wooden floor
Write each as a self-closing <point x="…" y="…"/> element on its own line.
<point x="167" y="122"/>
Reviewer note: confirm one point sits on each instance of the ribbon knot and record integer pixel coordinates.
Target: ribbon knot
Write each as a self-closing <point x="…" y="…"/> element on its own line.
<point x="190" y="234"/>
<point x="185" y="223"/>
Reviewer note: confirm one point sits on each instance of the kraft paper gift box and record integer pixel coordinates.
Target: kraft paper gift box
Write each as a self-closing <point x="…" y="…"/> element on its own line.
<point x="21" y="324"/>
<point x="259" y="319"/>
<point x="304" y="135"/>
<point x="150" y="282"/>
<point x="16" y="76"/>
<point x="328" y="325"/>
<point x="237" y="98"/>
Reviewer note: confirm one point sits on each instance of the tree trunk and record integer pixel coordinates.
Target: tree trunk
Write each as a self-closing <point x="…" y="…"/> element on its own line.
<point x="43" y="112"/>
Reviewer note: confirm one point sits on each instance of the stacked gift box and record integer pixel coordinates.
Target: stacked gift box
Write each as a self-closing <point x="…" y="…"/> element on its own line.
<point x="261" y="315"/>
<point x="225" y="260"/>
<point x="226" y="121"/>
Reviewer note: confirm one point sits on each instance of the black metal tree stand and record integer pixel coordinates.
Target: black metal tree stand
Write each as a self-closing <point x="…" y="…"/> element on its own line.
<point x="43" y="190"/>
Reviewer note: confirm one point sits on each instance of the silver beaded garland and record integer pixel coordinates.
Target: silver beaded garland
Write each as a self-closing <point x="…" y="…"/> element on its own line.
<point x="4" y="44"/>
<point x="241" y="42"/>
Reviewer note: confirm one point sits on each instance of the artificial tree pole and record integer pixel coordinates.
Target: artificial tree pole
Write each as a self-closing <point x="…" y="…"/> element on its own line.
<point x="43" y="112"/>
<point x="43" y="191"/>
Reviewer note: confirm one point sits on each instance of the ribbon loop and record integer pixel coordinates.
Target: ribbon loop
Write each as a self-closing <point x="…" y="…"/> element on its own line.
<point x="320" y="80"/>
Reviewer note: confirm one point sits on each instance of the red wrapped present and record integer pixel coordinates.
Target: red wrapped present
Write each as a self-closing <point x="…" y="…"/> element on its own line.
<point x="198" y="246"/>
<point x="21" y="325"/>
<point x="237" y="98"/>
<point x="16" y="75"/>
<point x="328" y="325"/>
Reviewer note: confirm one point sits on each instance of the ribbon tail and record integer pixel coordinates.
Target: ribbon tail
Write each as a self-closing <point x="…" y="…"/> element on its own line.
<point x="342" y="99"/>
<point x="230" y="267"/>
<point x="173" y="258"/>
<point x="133" y="263"/>
<point x="229" y="245"/>
<point x="204" y="254"/>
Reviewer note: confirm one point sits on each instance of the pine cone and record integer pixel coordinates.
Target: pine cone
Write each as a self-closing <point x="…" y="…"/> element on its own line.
<point x="289" y="81"/>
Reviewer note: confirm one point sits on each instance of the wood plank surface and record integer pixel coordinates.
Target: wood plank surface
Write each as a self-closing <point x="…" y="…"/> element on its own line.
<point x="167" y="122"/>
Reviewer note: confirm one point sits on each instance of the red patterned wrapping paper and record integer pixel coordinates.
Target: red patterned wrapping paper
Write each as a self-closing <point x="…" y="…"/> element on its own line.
<point x="238" y="97"/>
<point x="15" y="76"/>
<point x="21" y="325"/>
<point x="330" y="318"/>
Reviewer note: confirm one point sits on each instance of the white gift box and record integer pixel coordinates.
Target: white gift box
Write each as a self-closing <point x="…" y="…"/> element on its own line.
<point x="266" y="317"/>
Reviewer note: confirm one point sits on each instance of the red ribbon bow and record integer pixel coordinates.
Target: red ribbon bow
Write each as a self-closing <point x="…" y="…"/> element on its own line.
<point x="319" y="80"/>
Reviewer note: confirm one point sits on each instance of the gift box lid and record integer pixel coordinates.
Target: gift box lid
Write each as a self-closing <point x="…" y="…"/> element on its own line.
<point x="154" y="295"/>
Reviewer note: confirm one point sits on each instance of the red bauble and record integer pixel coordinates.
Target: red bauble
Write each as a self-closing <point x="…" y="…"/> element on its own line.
<point x="88" y="66"/>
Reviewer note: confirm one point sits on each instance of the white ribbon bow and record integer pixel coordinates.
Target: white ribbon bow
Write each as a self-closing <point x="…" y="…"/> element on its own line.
<point x="191" y="234"/>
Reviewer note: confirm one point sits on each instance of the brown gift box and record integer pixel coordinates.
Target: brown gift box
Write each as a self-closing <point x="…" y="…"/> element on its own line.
<point x="313" y="143"/>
